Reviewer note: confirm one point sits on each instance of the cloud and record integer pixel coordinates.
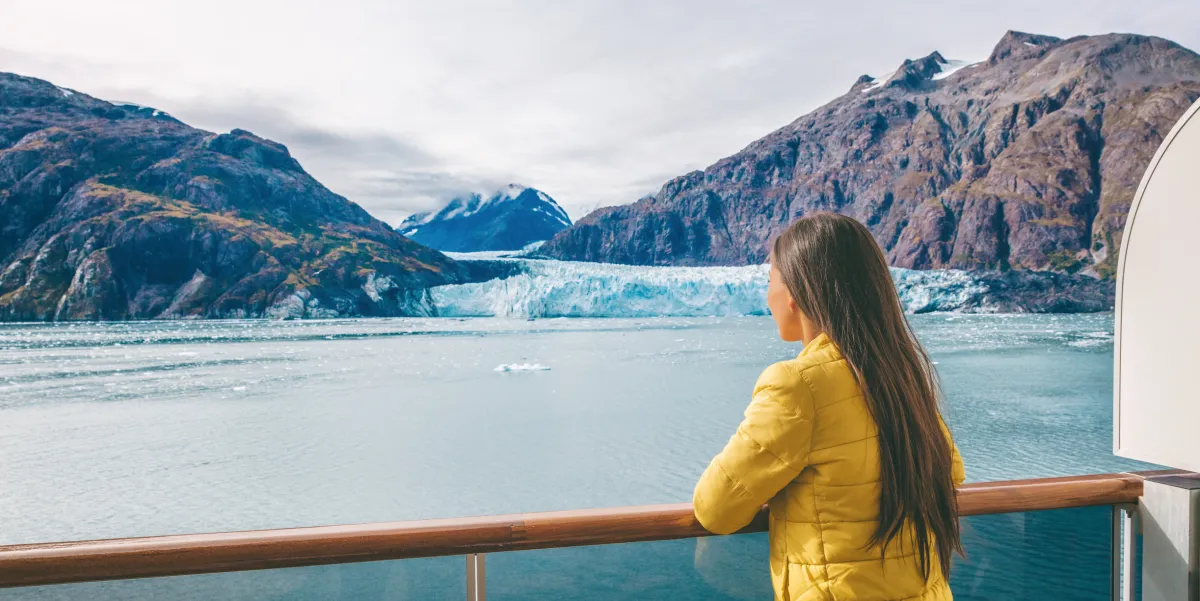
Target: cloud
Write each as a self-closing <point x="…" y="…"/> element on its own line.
<point x="399" y="104"/>
<point x="391" y="176"/>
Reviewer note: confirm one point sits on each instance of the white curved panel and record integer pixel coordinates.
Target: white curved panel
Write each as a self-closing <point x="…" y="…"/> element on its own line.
<point x="1156" y="385"/>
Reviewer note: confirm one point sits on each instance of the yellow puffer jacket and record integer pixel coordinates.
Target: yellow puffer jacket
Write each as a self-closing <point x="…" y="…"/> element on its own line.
<point x="808" y="446"/>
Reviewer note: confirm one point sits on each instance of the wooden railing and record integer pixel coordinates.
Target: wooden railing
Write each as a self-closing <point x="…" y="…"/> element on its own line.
<point x="60" y="563"/>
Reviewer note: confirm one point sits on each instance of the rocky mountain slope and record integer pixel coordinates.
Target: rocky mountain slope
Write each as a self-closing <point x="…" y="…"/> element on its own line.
<point x="122" y="212"/>
<point x="509" y="219"/>
<point x="1025" y="161"/>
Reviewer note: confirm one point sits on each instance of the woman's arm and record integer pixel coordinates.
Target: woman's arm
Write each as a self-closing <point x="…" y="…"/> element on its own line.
<point x="768" y="451"/>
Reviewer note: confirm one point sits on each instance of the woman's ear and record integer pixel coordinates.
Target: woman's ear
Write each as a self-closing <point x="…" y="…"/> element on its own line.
<point x="793" y="307"/>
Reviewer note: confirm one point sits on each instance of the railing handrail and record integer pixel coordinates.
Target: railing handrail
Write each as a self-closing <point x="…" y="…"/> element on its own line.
<point x="176" y="555"/>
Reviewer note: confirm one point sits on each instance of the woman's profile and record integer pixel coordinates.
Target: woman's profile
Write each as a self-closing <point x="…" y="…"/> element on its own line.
<point x="845" y="442"/>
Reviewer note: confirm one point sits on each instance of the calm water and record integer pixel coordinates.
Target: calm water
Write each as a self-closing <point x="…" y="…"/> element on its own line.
<point x="155" y="428"/>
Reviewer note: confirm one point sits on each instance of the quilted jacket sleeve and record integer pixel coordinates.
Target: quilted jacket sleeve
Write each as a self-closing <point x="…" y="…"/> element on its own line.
<point x="769" y="450"/>
<point x="958" y="471"/>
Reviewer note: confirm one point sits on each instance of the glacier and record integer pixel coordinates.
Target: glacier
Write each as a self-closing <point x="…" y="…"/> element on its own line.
<point x="543" y="288"/>
<point x="548" y="288"/>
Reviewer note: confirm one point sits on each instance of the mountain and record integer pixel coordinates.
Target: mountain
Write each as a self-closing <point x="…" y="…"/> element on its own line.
<point x="123" y="212"/>
<point x="508" y="219"/>
<point x="1025" y="161"/>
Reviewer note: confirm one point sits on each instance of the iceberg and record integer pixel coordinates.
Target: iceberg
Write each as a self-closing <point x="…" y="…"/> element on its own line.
<point x="543" y="288"/>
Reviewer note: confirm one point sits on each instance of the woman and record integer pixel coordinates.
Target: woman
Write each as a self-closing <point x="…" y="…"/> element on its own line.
<point x="845" y="442"/>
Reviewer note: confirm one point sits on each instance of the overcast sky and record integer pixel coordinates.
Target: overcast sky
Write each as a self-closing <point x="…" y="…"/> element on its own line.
<point x="397" y="105"/>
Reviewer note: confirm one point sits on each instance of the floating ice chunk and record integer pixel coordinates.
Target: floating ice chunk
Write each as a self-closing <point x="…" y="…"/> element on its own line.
<point x="511" y="367"/>
<point x="1091" y="339"/>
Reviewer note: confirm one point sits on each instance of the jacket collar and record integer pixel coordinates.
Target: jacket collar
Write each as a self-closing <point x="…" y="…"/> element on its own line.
<point x="820" y="342"/>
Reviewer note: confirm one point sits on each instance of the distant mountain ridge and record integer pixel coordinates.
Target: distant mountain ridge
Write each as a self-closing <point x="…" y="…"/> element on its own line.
<point x="114" y="212"/>
<point x="508" y="219"/>
<point x="1025" y="161"/>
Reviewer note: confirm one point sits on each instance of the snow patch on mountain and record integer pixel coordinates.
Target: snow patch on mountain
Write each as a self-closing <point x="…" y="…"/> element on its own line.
<point x="947" y="67"/>
<point x="878" y="82"/>
<point x="951" y="67"/>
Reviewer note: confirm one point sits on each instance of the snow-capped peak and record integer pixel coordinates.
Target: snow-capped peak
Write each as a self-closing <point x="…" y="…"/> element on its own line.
<point x="511" y="190"/>
<point x="501" y="219"/>
<point x="478" y="201"/>
<point x="471" y="204"/>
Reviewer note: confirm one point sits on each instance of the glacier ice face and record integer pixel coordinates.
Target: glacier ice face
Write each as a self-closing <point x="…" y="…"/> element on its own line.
<point x="567" y="289"/>
<point x="547" y="288"/>
<point x="942" y="290"/>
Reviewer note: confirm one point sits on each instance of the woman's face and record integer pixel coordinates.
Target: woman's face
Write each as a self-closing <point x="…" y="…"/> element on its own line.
<point x="788" y="317"/>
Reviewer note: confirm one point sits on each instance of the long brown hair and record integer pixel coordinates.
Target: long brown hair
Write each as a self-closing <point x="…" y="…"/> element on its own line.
<point x="839" y="278"/>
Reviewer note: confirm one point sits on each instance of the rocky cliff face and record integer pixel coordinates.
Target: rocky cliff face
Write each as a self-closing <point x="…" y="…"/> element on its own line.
<point x="122" y="212"/>
<point x="1025" y="161"/>
<point x="508" y="219"/>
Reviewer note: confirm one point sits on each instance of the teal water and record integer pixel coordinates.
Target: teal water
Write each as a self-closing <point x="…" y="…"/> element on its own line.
<point x="113" y="430"/>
